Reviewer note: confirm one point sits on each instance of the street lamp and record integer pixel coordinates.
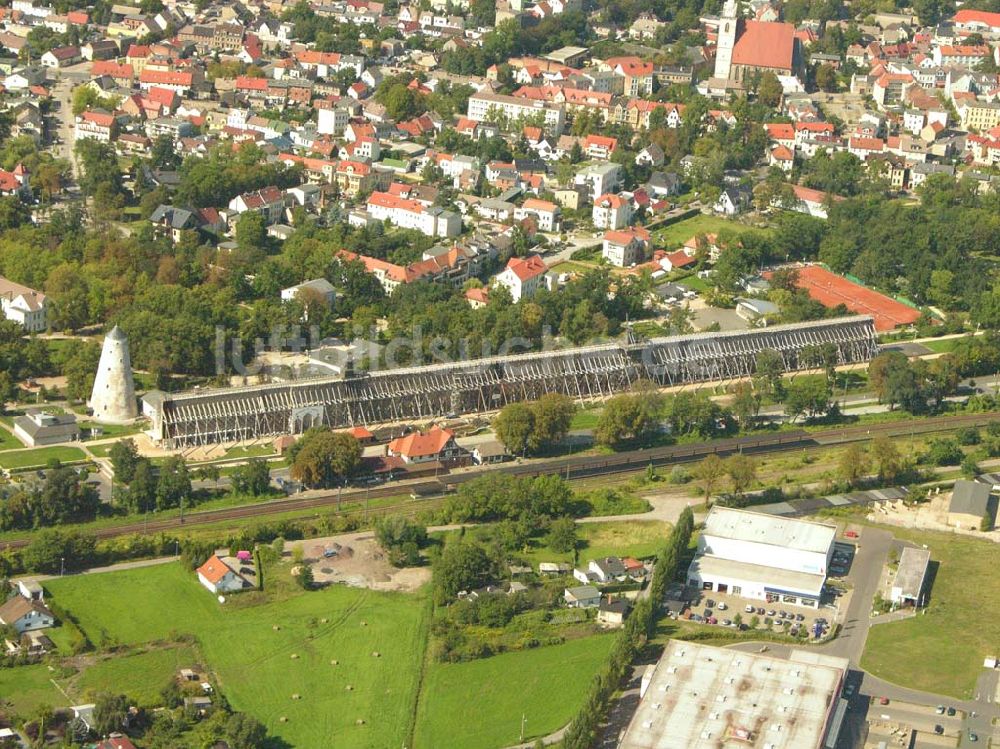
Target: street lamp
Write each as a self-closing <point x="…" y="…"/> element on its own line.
<point x="62" y="566"/>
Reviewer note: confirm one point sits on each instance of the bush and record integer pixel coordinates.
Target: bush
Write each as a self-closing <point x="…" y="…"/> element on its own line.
<point x="968" y="436"/>
<point x="943" y="452"/>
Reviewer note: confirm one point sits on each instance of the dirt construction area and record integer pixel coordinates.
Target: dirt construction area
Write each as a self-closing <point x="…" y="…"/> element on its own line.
<point x="931" y="515"/>
<point x="357" y="560"/>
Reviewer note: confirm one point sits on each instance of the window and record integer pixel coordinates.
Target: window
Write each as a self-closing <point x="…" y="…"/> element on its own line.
<point x="790" y="599"/>
<point x="706" y="586"/>
<point x="737" y="590"/>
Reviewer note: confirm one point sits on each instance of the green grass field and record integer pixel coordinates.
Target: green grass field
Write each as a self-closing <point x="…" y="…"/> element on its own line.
<point x="141" y="676"/>
<point x="480" y="704"/>
<point x="40" y="456"/>
<point x="248" y="645"/>
<point x="594" y="540"/>
<point x="942" y="345"/>
<point x="8" y="441"/>
<point x="942" y="651"/>
<point x="675" y="235"/>
<point x="28" y="687"/>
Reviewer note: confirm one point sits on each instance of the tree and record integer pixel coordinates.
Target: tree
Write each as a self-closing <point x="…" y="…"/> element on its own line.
<point x="304" y="577"/>
<point x="742" y="470"/>
<point x="244" y="732"/>
<point x="553" y="415"/>
<point x="251" y="230"/>
<point x="562" y="535"/>
<point x="626" y="417"/>
<point x="323" y="458"/>
<point x="745" y="405"/>
<point x="253" y="478"/>
<point x="80" y="369"/>
<point x="514" y="427"/>
<point x="809" y="396"/>
<point x="401" y="539"/>
<point x="854" y="464"/>
<point x="768" y="371"/>
<point x="708" y="473"/>
<point x="888" y="459"/>
<point x="770" y="91"/>
<point x="53" y="550"/>
<point x="463" y="565"/>
<point x="124" y="457"/>
<point x="174" y="483"/>
<point x="110" y="713"/>
<point x="826" y="77"/>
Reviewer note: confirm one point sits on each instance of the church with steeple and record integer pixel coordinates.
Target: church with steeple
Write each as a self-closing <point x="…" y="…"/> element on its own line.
<point x="746" y="47"/>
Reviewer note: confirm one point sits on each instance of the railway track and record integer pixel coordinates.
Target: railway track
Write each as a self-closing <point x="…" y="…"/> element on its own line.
<point x="572" y="467"/>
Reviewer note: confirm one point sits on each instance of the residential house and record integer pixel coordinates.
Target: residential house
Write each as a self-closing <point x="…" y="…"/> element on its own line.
<point x="219" y="577"/>
<point x="422" y="447"/>
<point x="611" y="612"/>
<point x="971" y="506"/>
<point x="23" y="305"/>
<point x="625" y="247"/>
<point x="582" y="597"/>
<point x="15" y="182"/>
<point x="411" y="214"/>
<point x="523" y="276"/>
<point x="733" y="201"/>
<point x="268" y="202"/>
<point x="547" y="215"/>
<point x="317" y="288"/>
<point x="96" y="125"/>
<point x="611" y="211"/>
<point x="25" y="614"/>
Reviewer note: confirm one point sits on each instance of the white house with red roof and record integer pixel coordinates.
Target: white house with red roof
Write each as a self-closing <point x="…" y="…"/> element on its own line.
<point x="611" y="212"/>
<point x="96" y="125"/>
<point x="219" y="577"/>
<point x="423" y="447"/>
<point x="523" y="276"/>
<point x="411" y="214"/>
<point x="781" y="157"/>
<point x="269" y="202"/>
<point x="625" y="247"/>
<point x="15" y="182"/>
<point x="977" y="21"/>
<point x="813" y="202"/>
<point x="547" y="214"/>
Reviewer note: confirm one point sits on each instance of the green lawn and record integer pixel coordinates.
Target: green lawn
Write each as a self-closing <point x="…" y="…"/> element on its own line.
<point x="594" y="540"/>
<point x="252" y="661"/>
<point x="113" y="430"/>
<point x="673" y="236"/>
<point x="942" y="651"/>
<point x="28" y="687"/>
<point x="585" y="418"/>
<point x="141" y="676"/>
<point x="8" y="441"/>
<point x="40" y="456"/>
<point x="942" y="345"/>
<point x="480" y="704"/>
<point x="254" y="451"/>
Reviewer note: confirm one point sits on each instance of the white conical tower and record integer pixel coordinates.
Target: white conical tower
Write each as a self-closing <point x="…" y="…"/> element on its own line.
<point x="113" y="398"/>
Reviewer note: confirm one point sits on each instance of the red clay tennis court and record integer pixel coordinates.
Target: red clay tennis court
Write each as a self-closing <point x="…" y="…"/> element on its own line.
<point x="829" y="289"/>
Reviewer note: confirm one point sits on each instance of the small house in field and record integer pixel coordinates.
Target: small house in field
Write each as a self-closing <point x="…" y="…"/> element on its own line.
<point x="219" y="577"/>
<point x="582" y="596"/>
<point x="611" y="612"/>
<point x="971" y="505"/>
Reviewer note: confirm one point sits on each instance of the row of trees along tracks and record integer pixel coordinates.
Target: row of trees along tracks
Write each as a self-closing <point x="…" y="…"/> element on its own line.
<point x="351" y="501"/>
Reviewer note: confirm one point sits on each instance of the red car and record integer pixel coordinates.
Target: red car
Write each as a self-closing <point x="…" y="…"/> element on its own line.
<point x="851" y="534"/>
<point x="883" y="701"/>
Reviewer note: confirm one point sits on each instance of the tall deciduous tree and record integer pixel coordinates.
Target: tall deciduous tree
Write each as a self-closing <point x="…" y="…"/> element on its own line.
<point x="709" y="474"/>
<point x="323" y="458"/>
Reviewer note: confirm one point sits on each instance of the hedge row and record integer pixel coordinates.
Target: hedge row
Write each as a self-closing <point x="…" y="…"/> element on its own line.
<point x="582" y="731"/>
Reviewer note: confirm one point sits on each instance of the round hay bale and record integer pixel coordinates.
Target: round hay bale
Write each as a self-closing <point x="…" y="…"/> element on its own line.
<point x="295" y="656"/>
<point x="364" y="623"/>
<point x="276" y="628"/>
<point x="359" y="722"/>
<point x="349" y="688"/>
<point x="283" y="719"/>
<point x="334" y="662"/>
<point x="376" y="654"/>
<point x="296" y="696"/>
<point x="324" y="620"/>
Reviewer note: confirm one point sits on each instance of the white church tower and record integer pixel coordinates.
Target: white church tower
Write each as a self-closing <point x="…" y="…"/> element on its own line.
<point x="726" y="40"/>
<point x="113" y="398"/>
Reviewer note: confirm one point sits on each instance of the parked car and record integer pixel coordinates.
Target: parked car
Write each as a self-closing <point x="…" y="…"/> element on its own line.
<point x="799" y="618"/>
<point x="708" y="613"/>
<point x="710" y="603"/>
<point x="749" y="609"/>
<point x="939" y="710"/>
<point x="851" y="534"/>
<point x="973" y="736"/>
<point x="939" y="729"/>
<point x="722" y="606"/>
<point x="727" y="622"/>
<point x="883" y="701"/>
<point x="712" y="620"/>
<point x="951" y="711"/>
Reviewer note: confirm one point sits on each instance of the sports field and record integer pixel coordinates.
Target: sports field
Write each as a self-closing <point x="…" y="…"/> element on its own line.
<point x="481" y="704"/>
<point x="248" y="645"/>
<point x="830" y="290"/>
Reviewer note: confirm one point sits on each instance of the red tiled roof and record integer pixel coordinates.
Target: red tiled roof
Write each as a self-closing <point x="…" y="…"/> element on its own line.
<point x="978" y="16"/>
<point x="765" y="45"/>
<point x="170" y="77"/>
<point x="418" y="445"/>
<point x="780" y="131"/>
<point x="214" y="569"/>
<point x="526" y="268"/>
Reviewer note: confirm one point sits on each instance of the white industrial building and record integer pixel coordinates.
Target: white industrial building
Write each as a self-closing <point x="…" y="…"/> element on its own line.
<point x="763" y="557"/>
<point x="911" y="575"/>
<point x="704" y="697"/>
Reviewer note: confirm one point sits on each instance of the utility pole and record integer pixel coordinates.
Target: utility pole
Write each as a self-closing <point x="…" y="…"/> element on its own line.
<point x="524" y="719"/>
